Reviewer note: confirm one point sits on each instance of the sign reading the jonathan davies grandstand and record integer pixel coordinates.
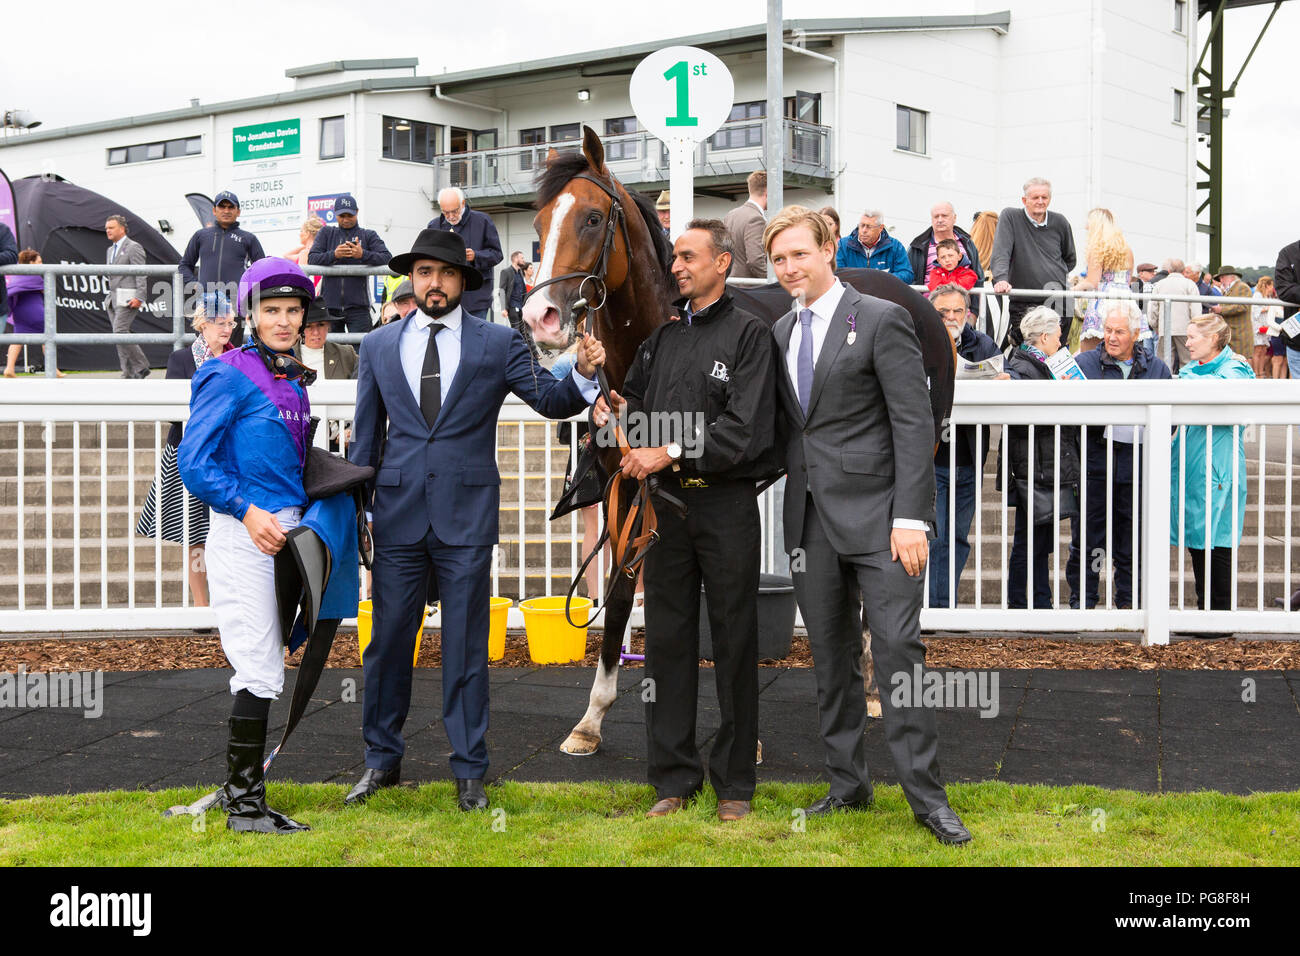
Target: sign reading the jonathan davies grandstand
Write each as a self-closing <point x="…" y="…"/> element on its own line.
<point x="266" y="140"/>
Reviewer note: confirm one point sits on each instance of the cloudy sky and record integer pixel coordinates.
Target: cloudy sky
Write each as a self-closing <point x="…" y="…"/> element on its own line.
<point x="100" y="61"/>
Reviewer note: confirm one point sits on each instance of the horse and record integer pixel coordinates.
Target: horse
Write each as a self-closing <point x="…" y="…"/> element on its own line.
<point x="604" y="259"/>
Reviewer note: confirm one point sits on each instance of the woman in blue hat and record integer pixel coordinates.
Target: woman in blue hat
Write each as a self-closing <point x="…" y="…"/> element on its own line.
<point x="242" y="453"/>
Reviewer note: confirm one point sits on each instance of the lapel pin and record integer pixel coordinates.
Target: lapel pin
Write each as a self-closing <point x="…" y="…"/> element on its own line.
<point x="853" y="328"/>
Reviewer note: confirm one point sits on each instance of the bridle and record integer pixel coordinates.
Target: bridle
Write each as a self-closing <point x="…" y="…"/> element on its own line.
<point x="615" y="221"/>
<point x="630" y="538"/>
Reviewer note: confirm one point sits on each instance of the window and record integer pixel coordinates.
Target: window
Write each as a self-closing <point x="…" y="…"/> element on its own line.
<point x="911" y="129"/>
<point x="1178" y="107"/>
<point x="410" y="140"/>
<point x="163" y="149"/>
<point x="743" y="128"/>
<point x="1180" y="16"/>
<point x="623" y="148"/>
<point x="804" y="107"/>
<point x="331" y="137"/>
<point x="531" y="137"/>
<point x="566" y="132"/>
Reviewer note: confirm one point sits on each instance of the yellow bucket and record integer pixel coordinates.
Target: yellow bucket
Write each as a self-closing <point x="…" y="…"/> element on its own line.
<point x="364" y="611"/>
<point x="551" y="639"/>
<point x="497" y="628"/>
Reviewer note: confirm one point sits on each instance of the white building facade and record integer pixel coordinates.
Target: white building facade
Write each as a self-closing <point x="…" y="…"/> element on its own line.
<point x="1092" y="94"/>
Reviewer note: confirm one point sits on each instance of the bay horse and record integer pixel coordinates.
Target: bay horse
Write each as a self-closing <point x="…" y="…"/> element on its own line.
<point x="605" y="259"/>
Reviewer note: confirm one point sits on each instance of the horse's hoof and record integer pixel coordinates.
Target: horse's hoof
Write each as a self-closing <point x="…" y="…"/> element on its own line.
<point x="580" y="744"/>
<point x="873" y="709"/>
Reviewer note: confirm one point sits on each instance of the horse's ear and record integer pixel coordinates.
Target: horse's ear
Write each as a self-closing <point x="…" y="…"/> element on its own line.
<point x="551" y="155"/>
<point x="594" y="150"/>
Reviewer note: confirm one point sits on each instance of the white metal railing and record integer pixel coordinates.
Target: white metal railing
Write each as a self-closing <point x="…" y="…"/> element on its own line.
<point x="76" y="465"/>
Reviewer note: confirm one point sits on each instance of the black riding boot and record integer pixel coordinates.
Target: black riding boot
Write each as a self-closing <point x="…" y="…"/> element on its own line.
<point x="245" y="793"/>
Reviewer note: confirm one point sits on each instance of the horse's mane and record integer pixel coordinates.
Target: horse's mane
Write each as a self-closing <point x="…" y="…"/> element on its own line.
<point x="555" y="175"/>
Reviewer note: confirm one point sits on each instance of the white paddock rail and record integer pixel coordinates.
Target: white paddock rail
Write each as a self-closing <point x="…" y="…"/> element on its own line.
<point x="1266" y="409"/>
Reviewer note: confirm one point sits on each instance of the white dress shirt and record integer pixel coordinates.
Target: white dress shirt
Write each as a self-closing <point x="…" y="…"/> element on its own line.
<point x="114" y="250"/>
<point x="415" y="343"/>
<point x="823" y="310"/>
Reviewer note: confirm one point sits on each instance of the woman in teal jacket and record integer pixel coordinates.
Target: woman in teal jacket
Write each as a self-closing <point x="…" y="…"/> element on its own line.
<point x="1207" y="342"/>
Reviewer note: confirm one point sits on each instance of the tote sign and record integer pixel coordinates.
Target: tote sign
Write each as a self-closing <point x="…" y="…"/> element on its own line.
<point x="682" y="92"/>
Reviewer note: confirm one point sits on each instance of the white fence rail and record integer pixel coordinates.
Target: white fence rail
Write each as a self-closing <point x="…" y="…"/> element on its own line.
<point x="76" y="459"/>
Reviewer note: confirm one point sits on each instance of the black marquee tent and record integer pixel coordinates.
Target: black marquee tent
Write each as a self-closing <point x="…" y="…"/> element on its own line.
<point x="65" y="223"/>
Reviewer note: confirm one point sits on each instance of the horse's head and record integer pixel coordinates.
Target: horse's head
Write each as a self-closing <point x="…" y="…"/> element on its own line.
<point x="583" y="232"/>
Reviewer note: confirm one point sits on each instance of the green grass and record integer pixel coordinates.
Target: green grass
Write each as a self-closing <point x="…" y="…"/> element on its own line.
<point x="603" y="824"/>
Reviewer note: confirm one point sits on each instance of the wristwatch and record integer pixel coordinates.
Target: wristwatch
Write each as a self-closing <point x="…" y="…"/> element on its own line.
<point x="674" y="451"/>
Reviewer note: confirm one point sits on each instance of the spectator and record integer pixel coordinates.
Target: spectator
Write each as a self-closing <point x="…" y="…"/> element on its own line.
<point x="126" y="294"/>
<point x="1180" y="281"/>
<point x="220" y="252"/>
<point x="923" y="253"/>
<point x="1110" y="262"/>
<point x="214" y="321"/>
<point x="530" y="271"/>
<point x="1204" y="285"/>
<point x="331" y="359"/>
<point x="1228" y="282"/>
<point x="27" y="306"/>
<point x="306" y="236"/>
<point x="482" y="246"/>
<point x="871" y="247"/>
<point x="663" y="207"/>
<point x="953" y="305"/>
<point x="948" y="270"/>
<point x="1033" y="249"/>
<point x="982" y="233"/>
<point x="745" y="225"/>
<point x="1208" y="338"/>
<point x="512" y="291"/>
<point x="1286" y="278"/>
<point x="1145" y="275"/>
<point x="1117" y="359"/>
<point x="833" y="220"/>
<point x="1272" y="363"/>
<point x="1040" y="333"/>
<point x="400" y="303"/>
<point x="347" y="297"/>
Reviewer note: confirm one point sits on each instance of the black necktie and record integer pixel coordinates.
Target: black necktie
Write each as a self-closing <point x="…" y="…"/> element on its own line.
<point x="431" y="377"/>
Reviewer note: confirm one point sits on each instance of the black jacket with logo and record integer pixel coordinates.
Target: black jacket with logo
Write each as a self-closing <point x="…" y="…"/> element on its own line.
<point x="720" y="364"/>
<point x="217" y="255"/>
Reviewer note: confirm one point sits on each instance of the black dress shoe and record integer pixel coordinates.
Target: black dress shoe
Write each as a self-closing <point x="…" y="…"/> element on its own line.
<point x="830" y="804"/>
<point x="371" y="782"/>
<point x="945" y="825"/>
<point x="470" y="794"/>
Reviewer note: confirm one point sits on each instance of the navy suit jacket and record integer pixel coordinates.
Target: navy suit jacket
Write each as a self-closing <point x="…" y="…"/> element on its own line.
<point x="445" y="477"/>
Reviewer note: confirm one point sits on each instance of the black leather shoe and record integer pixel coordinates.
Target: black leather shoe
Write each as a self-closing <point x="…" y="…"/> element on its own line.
<point x="371" y="782"/>
<point x="470" y="794"/>
<point x="945" y="825"/>
<point x="830" y="804"/>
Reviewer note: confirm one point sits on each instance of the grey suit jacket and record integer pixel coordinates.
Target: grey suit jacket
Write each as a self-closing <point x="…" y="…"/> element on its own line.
<point x="745" y="225"/>
<point x="866" y="448"/>
<point x="131" y="254"/>
<point x="340" y="360"/>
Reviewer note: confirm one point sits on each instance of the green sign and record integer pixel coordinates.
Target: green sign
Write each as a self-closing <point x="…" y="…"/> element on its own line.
<point x="267" y="140"/>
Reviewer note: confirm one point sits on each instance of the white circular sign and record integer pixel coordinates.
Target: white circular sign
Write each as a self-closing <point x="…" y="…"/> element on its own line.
<point x="682" y="92"/>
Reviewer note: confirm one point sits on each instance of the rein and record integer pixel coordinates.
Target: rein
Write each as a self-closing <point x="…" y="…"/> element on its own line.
<point x="630" y="537"/>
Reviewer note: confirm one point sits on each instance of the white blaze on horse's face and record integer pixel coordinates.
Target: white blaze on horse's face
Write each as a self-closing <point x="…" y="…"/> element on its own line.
<point x="543" y="315"/>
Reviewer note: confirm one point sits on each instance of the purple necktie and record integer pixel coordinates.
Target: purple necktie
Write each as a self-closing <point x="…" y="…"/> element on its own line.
<point x="804" y="363"/>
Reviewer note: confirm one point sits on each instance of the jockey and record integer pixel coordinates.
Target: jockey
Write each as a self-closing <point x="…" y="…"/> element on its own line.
<point x="243" y="454"/>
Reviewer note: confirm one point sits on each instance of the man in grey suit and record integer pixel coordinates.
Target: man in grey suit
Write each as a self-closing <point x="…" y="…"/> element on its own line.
<point x="745" y="225"/>
<point x="858" y="439"/>
<point x="125" y="294"/>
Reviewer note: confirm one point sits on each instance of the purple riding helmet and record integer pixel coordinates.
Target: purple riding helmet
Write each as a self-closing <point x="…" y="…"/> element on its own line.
<point x="272" y="278"/>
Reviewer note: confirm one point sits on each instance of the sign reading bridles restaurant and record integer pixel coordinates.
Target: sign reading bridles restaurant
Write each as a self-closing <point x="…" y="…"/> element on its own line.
<point x="681" y="94"/>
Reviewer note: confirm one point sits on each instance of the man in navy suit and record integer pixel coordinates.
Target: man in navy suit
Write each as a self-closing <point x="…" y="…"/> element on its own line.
<point x="438" y="378"/>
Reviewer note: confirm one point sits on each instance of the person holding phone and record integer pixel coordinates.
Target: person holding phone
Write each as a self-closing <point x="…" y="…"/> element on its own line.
<point x="346" y="244"/>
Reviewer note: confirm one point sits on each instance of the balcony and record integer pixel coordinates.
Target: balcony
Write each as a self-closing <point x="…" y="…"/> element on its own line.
<point x="501" y="180"/>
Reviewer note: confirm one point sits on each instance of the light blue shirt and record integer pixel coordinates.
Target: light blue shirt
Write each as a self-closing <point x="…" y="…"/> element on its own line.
<point x="415" y="342"/>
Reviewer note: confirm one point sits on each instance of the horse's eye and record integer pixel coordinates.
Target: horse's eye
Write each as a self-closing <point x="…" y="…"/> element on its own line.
<point x="593" y="219"/>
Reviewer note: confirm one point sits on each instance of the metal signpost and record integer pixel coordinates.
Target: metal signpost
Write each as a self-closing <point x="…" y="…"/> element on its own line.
<point x="681" y="94"/>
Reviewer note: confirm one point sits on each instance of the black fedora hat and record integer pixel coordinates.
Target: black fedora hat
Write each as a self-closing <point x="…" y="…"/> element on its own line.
<point x="443" y="247"/>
